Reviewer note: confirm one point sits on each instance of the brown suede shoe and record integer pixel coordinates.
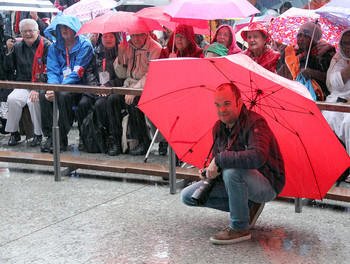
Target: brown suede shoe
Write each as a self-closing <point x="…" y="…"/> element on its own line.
<point x="230" y="236"/>
<point x="254" y="213"/>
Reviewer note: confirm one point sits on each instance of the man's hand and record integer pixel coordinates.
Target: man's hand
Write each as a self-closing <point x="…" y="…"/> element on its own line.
<point x="212" y="170"/>
<point x="129" y="99"/>
<point x="49" y="95"/>
<point x="34" y="15"/>
<point x="34" y="96"/>
<point x="10" y="43"/>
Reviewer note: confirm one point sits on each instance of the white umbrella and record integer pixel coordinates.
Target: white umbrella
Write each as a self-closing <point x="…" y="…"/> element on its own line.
<point x="88" y="9"/>
<point x="25" y="5"/>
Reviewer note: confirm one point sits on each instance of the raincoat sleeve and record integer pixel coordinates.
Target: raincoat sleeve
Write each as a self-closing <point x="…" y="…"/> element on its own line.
<point x="54" y="74"/>
<point x="258" y="139"/>
<point x="82" y="61"/>
<point x="120" y="70"/>
<point x="154" y="54"/>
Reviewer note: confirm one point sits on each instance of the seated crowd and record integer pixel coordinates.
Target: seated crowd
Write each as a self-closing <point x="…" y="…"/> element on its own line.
<point x="113" y="61"/>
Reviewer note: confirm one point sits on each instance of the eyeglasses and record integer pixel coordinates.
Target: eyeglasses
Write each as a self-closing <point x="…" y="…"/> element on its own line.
<point x="30" y="31"/>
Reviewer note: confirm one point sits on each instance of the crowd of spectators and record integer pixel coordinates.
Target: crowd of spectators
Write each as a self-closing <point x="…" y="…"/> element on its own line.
<point x="110" y="60"/>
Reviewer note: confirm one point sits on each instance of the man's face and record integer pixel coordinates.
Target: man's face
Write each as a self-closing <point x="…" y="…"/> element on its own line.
<point x="303" y="41"/>
<point x="138" y="40"/>
<point x="29" y="34"/>
<point x="227" y="108"/>
<point x="67" y="33"/>
<point x="181" y="42"/>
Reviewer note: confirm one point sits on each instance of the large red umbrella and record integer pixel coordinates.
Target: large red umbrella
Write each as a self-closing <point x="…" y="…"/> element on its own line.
<point x="178" y="98"/>
<point x="119" y="22"/>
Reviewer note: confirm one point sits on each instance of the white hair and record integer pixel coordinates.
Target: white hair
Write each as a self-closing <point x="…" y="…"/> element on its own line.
<point x="28" y="21"/>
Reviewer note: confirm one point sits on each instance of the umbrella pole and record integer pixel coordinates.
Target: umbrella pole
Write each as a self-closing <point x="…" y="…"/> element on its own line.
<point x="312" y="39"/>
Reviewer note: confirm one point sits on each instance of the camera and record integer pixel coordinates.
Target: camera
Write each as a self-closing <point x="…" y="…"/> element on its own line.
<point x="201" y="195"/>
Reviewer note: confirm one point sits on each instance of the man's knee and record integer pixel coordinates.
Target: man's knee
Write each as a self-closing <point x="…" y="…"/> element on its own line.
<point x="232" y="175"/>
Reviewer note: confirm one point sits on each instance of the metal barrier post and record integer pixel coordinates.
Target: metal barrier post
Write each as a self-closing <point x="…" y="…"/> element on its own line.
<point x="56" y="140"/>
<point x="172" y="171"/>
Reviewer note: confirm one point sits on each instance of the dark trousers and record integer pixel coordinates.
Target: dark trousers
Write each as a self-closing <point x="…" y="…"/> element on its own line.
<point x="66" y="101"/>
<point x="112" y="117"/>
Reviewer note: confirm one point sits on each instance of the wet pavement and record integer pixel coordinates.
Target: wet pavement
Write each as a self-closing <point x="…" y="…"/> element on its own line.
<point x="88" y="218"/>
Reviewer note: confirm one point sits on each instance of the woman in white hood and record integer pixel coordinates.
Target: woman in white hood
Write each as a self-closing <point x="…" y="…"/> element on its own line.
<point x="338" y="79"/>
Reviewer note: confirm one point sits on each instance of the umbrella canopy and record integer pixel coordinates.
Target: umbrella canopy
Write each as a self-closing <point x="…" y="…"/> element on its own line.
<point x="284" y="29"/>
<point x="210" y="9"/>
<point x="88" y="9"/>
<point x="337" y="11"/>
<point x="156" y="13"/>
<point x="25" y="5"/>
<point x="119" y="22"/>
<point x="178" y="97"/>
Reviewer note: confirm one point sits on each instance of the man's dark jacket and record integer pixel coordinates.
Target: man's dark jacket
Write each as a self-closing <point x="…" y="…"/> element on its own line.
<point x="21" y="58"/>
<point x="254" y="148"/>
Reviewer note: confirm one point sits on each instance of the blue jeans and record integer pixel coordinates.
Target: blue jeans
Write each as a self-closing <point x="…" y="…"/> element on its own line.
<point x="235" y="194"/>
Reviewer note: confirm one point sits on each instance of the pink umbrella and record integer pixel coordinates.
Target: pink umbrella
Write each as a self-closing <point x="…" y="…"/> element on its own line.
<point x="284" y="29"/>
<point x="156" y="13"/>
<point x="210" y="9"/>
<point x="119" y="22"/>
<point x="88" y="9"/>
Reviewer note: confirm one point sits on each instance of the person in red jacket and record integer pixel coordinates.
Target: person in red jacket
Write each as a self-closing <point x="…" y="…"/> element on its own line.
<point x="258" y="48"/>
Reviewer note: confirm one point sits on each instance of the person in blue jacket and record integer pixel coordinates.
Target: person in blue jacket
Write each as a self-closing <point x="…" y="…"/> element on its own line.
<point x="67" y="61"/>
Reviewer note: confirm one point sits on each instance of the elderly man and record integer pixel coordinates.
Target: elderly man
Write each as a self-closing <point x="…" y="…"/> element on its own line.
<point x="68" y="58"/>
<point x="246" y="165"/>
<point x="132" y="64"/>
<point x="28" y="59"/>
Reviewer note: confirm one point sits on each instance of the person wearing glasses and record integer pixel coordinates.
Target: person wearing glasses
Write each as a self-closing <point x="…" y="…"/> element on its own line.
<point x="28" y="59"/>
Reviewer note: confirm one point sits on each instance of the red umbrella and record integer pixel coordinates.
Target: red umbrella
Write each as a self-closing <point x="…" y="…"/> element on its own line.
<point x="119" y="22"/>
<point x="200" y="26"/>
<point x="178" y="98"/>
<point x="210" y="9"/>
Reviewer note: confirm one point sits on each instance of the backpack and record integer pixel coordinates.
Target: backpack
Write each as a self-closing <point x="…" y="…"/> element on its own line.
<point x="93" y="134"/>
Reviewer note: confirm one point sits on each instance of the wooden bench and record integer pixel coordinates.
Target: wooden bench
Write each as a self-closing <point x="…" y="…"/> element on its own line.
<point x="97" y="164"/>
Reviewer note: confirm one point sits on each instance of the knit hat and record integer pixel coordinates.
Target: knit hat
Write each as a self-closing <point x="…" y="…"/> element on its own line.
<point x="308" y="29"/>
<point x="217" y="48"/>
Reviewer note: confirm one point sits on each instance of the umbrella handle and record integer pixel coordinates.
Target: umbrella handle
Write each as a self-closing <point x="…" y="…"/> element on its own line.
<point x="312" y="39"/>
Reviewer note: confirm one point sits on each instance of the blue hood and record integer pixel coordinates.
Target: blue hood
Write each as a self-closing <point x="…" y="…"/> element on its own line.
<point x="53" y="30"/>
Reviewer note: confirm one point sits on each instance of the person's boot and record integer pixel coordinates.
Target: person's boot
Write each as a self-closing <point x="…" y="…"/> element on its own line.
<point x="254" y="213"/>
<point x="36" y="141"/>
<point x="163" y="148"/>
<point x="3" y="125"/>
<point x="113" y="148"/>
<point x="14" y="138"/>
<point x="47" y="145"/>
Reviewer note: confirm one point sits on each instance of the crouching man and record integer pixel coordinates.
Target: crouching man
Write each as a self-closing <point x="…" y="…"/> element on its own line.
<point x="246" y="165"/>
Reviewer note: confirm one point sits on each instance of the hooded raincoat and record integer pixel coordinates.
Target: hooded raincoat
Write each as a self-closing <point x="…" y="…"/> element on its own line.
<point x="339" y="122"/>
<point x="192" y="50"/>
<point x="78" y="57"/>
<point x="233" y="48"/>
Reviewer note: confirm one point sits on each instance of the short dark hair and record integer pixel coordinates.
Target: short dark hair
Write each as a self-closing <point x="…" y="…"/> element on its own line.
<point x="235" y="90"/>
